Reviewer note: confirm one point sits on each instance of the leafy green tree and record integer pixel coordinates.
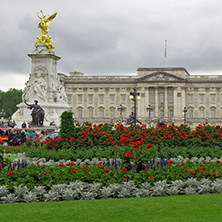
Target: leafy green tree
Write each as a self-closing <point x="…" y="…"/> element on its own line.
<point x="9" y="100"/>
<point x="67" y="128"/>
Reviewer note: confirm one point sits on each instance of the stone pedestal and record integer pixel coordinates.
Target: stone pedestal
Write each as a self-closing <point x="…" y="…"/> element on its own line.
<point x="44" y="86"/>
<point x="47" y="129"/>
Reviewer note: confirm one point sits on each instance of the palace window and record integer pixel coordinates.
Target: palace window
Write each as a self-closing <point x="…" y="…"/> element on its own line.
<point x="171" y="113"/>
<point x="91" y="113"/>
<point x="123" y="98"/>
<point x="161" y="113"/>
<point x="152" y="98"/>
<point x="201" y="98"/>
<point x="213" y="113"/>
<point x="91" y="98"/>
<point x="69" y="98"/>
<point x="201" y="113"/>
<point x="161" y="98"/>
<point x="80" y="113"/>
<point x="190" y="113"/>
<point x="171" y="98"/>
<point x="213" y="98"/>
<point x="152" y="113"/>
<point x="112" y="98"/>
<point x="80" y="98"/>
<point x="190" y="98"/>
<point x="123" y="113"/>
<point x="112" y="113"/>
<point x="101" y="113"/>
<point x="101" y="98"/>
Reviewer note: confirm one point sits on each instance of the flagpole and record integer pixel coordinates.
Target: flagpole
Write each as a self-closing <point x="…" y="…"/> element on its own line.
<point x="165" y="53"/>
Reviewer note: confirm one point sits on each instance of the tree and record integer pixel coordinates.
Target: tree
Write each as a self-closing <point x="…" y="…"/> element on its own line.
<point x="67" y="128"/>
<point x="9" y="100"/>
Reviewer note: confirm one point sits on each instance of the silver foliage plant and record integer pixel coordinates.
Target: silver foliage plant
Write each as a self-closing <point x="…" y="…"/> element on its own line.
<point x="42" y="161"/>
<point x="83" y="191"/>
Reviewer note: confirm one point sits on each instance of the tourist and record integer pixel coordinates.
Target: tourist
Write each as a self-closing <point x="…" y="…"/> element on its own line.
<point x="27" y="134"/>
<point x="23" y="137"/>
<point x="42" y="136"/>
<point x="16" y="140"/>
<point x="24" y="125"/>
<point x="11" y="137"/>
<point x="33" y="135"/>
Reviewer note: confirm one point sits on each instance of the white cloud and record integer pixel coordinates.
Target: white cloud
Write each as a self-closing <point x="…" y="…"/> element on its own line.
<point x="113" y="36"/>
<point x="12" y="80"/>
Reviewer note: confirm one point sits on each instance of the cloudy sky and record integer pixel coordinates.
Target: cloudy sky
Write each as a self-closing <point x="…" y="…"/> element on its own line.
<point x="112" y="36"/>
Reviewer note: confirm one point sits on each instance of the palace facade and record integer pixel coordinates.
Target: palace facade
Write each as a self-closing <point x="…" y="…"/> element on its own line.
<point x="164" y="95"/>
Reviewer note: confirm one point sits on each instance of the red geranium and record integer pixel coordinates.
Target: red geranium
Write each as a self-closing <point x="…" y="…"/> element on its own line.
<point x="149" y="145"/>
<point x="106" y="170"/>
<point x="10" y="173"/>
<point x="213" y="174"/>
<point x="124" y="169"/>
<point x="128" y="154"/>
<point x="170" y="161"/>
<point x="192" y="172"/>
<point x="45" y="173"/>
<point x="151" y="177"/>
<point x="146" y="169"/>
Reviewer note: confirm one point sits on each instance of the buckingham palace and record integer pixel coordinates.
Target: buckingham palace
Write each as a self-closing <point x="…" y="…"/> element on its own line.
<point x="167" y="95"/>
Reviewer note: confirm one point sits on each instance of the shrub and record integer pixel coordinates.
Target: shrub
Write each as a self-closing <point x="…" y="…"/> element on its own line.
<point x="67" y="129"/>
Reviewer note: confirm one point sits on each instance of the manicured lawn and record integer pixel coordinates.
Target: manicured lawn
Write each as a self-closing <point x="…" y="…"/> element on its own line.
<point x="174" y="208"/>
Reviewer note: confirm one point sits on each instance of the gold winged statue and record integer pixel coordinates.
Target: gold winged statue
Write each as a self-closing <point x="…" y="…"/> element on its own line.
<point x="44" y="26"/>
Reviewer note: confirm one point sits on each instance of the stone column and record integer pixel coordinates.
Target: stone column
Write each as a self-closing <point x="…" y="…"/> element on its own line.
<point x="207" y="102"/>
<point x="196" y="102"/>
<point x="175" y="102"/>
<point x="156" y="102"/>
<point x="166" y="104"/>
<point x="183" y="98"/>
<point x="147" y="98"/>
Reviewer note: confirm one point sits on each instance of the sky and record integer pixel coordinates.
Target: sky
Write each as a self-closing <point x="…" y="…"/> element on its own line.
<point x="112" y="37"/>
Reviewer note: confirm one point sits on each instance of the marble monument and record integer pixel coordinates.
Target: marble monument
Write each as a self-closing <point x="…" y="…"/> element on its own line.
<point x="43" y="84"/>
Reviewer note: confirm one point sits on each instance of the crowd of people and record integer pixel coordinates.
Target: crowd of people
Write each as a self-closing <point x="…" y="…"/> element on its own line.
<point x="16" y="138"/>
<point x="12" y="124"/>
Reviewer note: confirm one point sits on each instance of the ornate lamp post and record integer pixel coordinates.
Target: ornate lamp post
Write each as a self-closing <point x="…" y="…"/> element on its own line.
<point x="134" y="96"/>
<point x="184" y="115"/>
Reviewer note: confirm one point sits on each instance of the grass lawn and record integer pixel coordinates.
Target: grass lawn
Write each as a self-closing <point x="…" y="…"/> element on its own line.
<point x="174" y="208"/>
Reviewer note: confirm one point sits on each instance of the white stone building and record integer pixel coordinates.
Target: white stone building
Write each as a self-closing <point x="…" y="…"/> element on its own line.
<point x="166" y="91"/>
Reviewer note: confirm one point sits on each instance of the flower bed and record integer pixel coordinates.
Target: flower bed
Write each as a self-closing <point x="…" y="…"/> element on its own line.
<point x="139" y="155"/>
